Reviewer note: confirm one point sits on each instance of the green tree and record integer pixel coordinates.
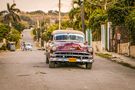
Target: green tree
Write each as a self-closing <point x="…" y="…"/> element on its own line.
<point x="66" y="24"/>
<point x="14" y="36"/>
<point x="19" y="26"/>
<point x="130" y="23"/>
<point x="120" y="10"/>
<point x="94" y="14"/>
<point x="10" y="15"/>
<point x="47" y="34"/>
<point x="75" y="18"/>
<point x="4" y="31"/>
<point x="117" y="15"/>
<point x="121" y="14"/>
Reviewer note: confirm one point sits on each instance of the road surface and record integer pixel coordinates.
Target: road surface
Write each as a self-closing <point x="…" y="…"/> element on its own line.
<point x="27" y="70"/>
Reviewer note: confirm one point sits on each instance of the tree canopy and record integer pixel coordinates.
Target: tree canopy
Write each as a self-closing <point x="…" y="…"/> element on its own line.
<point x="10" y="15"/>
<point x="4" y="31"/>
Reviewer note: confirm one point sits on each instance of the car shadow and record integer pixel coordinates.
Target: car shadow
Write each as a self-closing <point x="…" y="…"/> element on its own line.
<point x="71" y="65"/>
<point x="40" y="65"/>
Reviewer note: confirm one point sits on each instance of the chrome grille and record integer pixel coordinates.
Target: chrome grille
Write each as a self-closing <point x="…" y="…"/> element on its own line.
<point x="78" y="55"/>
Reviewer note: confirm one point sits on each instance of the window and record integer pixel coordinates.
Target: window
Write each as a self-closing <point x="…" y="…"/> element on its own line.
<point x="61" y="37"/>
<point x="74" y="37"/>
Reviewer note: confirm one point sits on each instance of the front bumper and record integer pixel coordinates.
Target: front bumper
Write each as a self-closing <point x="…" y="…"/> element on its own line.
<point x="67" y="60"/>
<point x="81" y="57"/>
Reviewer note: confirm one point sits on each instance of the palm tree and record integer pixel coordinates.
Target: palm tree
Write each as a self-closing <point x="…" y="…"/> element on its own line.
<point x="75" y="14"/>
<point x="11" y="14"/>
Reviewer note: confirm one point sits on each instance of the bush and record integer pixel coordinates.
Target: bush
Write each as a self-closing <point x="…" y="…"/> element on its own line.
<point x="34" y="31"/>
<point x="19" y="26"/>
<point x="3" y="47"/>
<point x="117" y="15"/>
<point x="47" y="34"/>
<point x="14" y="36"/>
<point x="130" y="23"/>
<point x="105" y="55"/>
<point x="4" y="31"/>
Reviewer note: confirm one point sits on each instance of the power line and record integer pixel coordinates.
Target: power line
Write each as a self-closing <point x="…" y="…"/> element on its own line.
<point x="13" y="1"/>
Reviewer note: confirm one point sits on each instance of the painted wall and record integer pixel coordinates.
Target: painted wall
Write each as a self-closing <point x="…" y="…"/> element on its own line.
<point x="132" y="51"/>
<point x="97" y="46"/>
<point x="123" y="48"/>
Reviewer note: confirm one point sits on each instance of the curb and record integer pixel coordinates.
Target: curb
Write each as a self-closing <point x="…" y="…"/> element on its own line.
<point x="118" y="59"/>
<point x="122" y="62"/>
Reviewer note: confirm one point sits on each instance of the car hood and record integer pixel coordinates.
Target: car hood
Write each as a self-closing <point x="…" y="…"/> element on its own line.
<point x="70" y="46"/>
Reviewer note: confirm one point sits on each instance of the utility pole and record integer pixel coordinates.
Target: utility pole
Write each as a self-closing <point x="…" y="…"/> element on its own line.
<point x="82" y="16"/>
<point x="81" y="5"/>
<point x="13" y="1"/>
<point x="105" y="5"/>
<point x="59" y="14"/>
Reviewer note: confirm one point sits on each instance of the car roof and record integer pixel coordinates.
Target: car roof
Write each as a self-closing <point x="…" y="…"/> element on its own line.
<point x="67" y="31"/>
<point x="27" y="43"/>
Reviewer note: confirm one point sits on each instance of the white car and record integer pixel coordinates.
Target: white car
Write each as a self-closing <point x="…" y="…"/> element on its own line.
<point x="28" y="46"/>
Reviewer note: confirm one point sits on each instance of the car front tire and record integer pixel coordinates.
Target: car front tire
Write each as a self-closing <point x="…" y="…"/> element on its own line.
<point x="88" y="65"/>
<point x="47" y="60"/>
<point x="51" y="64"/>
<point x="47" y="57"/>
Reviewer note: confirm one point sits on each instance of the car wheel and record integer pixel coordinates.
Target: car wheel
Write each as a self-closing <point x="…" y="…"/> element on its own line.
<point x="47" y="58"/>
<point x="88" y="65"/>
<point x="51" y="64"/>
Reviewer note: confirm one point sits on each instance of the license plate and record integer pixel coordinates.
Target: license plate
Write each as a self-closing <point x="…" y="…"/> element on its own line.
<point x="72" y="59"/>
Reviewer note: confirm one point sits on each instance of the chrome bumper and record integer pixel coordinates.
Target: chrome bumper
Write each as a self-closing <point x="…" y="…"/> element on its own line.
<point x="67" y="60"/>
<point x="65" y="56"/>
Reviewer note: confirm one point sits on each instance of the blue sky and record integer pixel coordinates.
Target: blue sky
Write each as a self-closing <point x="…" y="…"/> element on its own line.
<point x="32" y="5"/>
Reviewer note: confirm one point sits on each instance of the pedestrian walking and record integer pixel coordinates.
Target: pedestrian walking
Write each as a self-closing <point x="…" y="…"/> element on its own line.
<point x="23" y="46"/>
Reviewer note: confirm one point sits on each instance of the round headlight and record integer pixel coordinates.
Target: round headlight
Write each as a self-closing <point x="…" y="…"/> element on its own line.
<point x="90" y="49"/>
<point x="54" y="48"/>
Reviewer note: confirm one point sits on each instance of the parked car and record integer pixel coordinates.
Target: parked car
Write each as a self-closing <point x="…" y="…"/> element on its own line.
<point x="68" y="46"/>
<point x="28" y="46"/>
<point x="11" y="46"/>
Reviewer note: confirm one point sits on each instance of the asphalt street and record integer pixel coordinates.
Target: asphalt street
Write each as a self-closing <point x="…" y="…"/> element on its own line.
<point x="27" y="70"/>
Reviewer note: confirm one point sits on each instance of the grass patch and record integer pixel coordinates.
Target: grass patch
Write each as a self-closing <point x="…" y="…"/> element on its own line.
<point x="32" y="33"/>
<point x="3" y="47"/>
<point x="105" y="55"/>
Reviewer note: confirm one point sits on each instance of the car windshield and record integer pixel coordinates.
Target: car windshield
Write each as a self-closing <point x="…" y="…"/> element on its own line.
<point x="28" y="44"/>
<point x="65" y="37"/>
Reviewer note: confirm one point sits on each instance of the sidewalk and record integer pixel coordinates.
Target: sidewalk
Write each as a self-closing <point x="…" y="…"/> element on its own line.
<point x="121" y="59"/>
<point x="127" y="61"/>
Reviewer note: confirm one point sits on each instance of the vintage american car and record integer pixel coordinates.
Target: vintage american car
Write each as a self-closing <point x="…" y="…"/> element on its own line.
<point x="69" y="46"/>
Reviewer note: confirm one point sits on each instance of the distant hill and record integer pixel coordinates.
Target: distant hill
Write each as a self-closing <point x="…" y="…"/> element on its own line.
<point x="36" y="12"/>
<point x="50" y="17"/>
